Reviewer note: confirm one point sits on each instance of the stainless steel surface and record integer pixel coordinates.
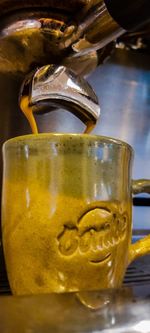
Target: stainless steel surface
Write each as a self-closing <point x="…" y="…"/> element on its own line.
<point x="109" y="312"/>
<point x="54" y="85"/>
<point x="96" y="30"/>
<point x="123" y="87"/>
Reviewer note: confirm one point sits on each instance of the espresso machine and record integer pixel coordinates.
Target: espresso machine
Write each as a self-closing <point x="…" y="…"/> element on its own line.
<point x="76" y="35"/>
<point x="46" y="42"/>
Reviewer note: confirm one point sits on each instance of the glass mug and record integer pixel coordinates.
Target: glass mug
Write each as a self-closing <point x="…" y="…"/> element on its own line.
<point x="67" y="212"/>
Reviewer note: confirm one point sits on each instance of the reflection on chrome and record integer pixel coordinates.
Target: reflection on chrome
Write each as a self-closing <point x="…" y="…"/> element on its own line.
<point x="21" y="25"/>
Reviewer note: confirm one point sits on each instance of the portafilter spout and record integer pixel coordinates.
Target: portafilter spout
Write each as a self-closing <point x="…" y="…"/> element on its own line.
<point x="54" y="86"/>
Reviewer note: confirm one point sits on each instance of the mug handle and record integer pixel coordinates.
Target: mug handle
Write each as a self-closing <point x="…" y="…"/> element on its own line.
<point x="141" y="247"/>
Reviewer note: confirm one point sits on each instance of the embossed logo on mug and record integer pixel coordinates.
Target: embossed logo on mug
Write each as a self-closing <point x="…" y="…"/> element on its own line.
<point x="97" y="231"/>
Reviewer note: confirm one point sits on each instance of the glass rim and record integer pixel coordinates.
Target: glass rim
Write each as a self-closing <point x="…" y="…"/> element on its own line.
<point x="86" y="137"/>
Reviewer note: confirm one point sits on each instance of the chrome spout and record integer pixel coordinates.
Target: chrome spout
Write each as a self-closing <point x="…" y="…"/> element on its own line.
<point x="56" y="86"/>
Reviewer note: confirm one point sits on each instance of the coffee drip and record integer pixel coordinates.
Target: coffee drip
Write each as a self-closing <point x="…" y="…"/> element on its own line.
<point x="28" y="112"/>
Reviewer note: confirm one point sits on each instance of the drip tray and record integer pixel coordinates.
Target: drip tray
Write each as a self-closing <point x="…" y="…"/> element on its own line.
<point x="138" y="272"/>
<point x="137" y="275"/>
